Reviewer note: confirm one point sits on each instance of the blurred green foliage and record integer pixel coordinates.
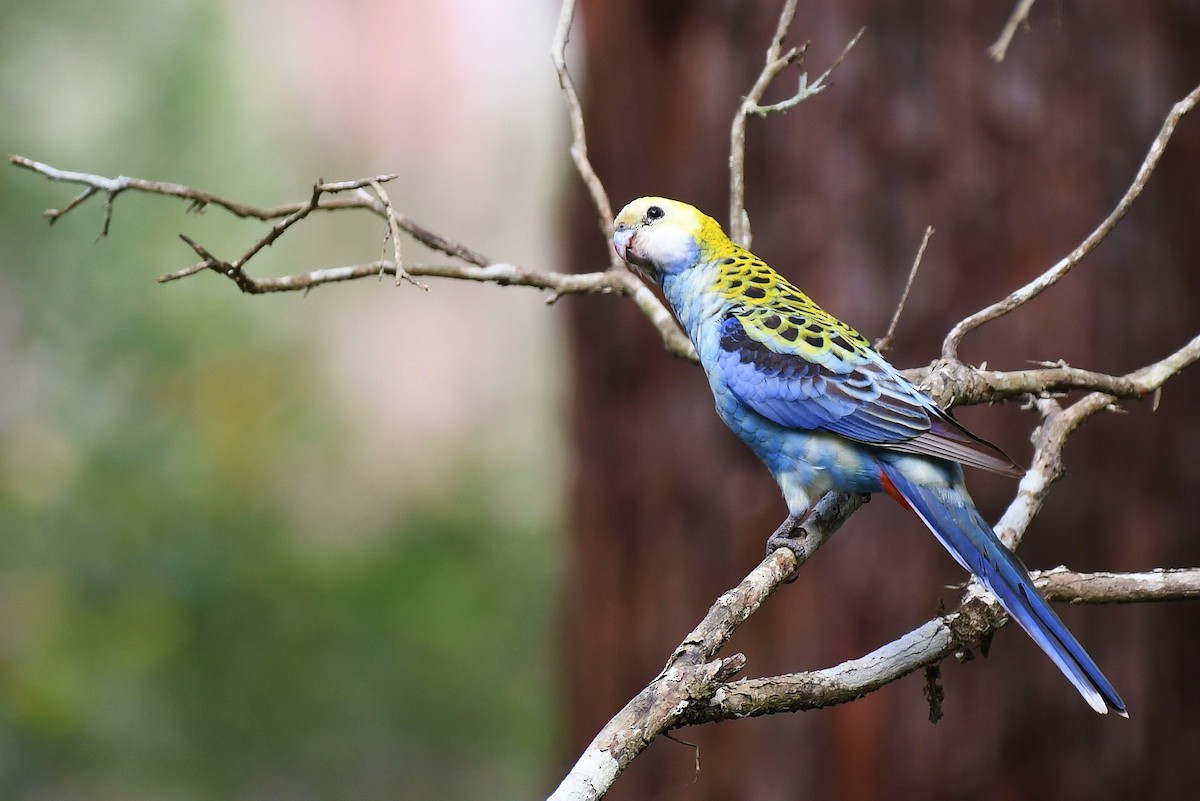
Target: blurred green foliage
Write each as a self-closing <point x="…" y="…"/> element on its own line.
<point x="164" y="631"/>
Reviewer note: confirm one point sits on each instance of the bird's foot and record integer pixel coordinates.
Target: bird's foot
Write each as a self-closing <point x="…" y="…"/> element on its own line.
<point x="785" y="537"/>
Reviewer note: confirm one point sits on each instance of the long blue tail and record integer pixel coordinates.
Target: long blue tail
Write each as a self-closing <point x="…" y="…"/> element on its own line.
<point x="952" y="517"/>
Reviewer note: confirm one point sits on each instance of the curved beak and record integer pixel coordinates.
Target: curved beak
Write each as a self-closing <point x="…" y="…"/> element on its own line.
<point x="626" y="247"/>
<point x="622" y="240"/>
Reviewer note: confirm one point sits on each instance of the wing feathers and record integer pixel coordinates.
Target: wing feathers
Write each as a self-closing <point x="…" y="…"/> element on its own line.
<point x="857" y="395"/>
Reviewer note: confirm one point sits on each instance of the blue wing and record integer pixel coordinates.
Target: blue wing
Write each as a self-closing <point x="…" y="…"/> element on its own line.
<point x="850" y="391"/>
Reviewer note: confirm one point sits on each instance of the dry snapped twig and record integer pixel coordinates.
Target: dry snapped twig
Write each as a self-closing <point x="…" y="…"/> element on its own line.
<point x="1056" y="273"/>
<point x="961" y="630"/>
<point x="1019" y="16"/>
<point x="777" y="61"/>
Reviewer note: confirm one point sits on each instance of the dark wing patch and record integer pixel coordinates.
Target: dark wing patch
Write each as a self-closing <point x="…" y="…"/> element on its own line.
<point x="861" y="398"/>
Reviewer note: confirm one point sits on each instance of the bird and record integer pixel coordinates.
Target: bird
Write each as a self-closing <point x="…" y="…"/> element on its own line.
<point x="825" y="411"/>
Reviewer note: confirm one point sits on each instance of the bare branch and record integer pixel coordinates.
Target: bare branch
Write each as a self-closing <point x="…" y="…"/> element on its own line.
<point x="956" y="384"/>
<point x="54" y="214"/>
<point x="691" y="675"/>
<point x="1152" y="586"/>
<point x="1055" y="273"/>
<point x="201" y="199"/>
<point x="278" y="228"/>
<point x="694" y="688"/>
<point x="478" y="268"/>
<point x="1019" y="16"/>
<point x="394" y="234"/>
<point x="1051" y="438"/>
<point x="930" y="643"/>
<point x="695" y="685"/>
<point x="886" y="341"/>
<point x="777" y="60"/>
<point x="558" y="52"/>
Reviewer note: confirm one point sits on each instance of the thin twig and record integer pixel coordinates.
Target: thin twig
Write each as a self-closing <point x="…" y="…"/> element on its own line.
<point x="478" y="266"/>
<point x="822" y="81"/>
<point x="777" y="60"/>
<point x="886" y="341"/>
<point x="579" y="154"/>
<point x="394" y="234"/>
<point x="1056" y="273"/>
<point x="1019" y="16"/>
<point x="201" y="199"/>
<point x="54" y="214"/>
<point x="277" y="230"/>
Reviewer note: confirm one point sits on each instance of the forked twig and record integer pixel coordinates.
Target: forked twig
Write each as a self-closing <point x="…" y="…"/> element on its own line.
<point x="777" y="60"/>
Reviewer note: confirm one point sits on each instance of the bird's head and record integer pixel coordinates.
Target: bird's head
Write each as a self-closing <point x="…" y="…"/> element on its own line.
<point x="658" y="236"/>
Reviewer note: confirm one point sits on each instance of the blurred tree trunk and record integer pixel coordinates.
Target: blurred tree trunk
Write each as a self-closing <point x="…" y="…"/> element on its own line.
<point x="1014" y="164"/>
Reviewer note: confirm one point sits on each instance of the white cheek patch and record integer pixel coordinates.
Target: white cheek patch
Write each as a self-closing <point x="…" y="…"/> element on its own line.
<point x="666" y="245"/>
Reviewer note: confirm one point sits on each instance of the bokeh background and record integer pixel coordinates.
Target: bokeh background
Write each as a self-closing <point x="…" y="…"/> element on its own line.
<point x="373" y="543"/>
<point x="277" y="547"/>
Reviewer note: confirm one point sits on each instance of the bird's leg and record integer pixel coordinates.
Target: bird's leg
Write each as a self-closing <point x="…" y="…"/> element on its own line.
<point x="785" y="536"/>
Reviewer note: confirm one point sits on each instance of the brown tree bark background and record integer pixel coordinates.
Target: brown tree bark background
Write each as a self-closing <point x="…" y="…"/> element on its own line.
<point x="1014" y="164"/>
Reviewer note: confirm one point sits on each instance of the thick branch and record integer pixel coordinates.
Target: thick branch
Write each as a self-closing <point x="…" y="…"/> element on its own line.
<point x="963" y="629"/>
<point x="957" y="384"/>
<point x="691" y="675"/>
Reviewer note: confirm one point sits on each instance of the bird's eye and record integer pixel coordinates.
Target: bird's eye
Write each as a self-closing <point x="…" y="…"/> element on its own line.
<point x="654" y="213"/>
